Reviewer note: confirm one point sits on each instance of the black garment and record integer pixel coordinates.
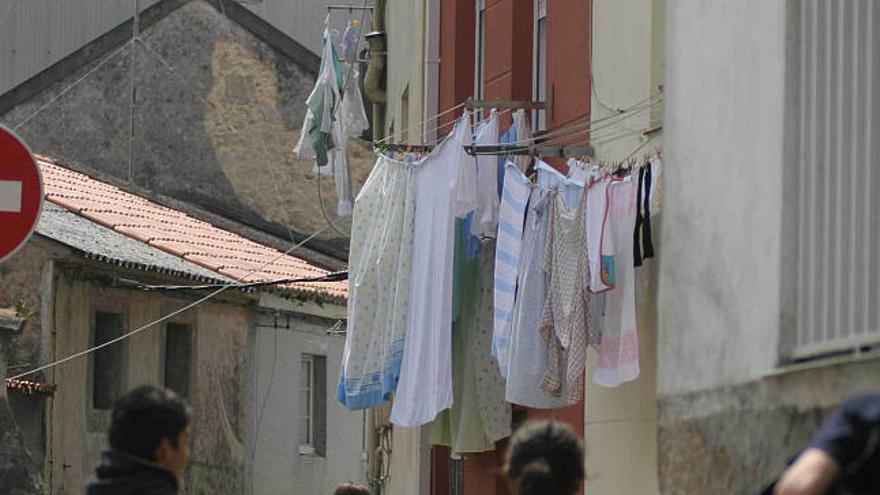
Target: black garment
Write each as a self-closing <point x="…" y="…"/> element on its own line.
<point x="121" y="474"/>
<point x="643" y="244"/>
<point x="852" y="437"/>
<point x="647" y="241"/>
<point x="637" y="234"/>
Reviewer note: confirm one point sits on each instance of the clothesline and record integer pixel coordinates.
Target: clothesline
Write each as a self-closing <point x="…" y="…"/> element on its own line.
<point x="592" y="225"/>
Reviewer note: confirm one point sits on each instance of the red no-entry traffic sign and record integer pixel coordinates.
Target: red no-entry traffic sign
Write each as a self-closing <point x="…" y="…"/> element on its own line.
<point x="21" y="193"/>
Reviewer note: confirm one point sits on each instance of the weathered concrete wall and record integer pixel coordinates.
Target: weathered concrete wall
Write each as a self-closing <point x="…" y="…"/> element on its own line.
<point x="276" y="466"/>
<point x="78" y="433"/>
<point x="735" y="440"/>
<point x="22" y="447"/>
<point x="218" y="113"/>
<point x="218" y="401"/>
<point x="719" y="270"/>
<point x="729" y="418"/>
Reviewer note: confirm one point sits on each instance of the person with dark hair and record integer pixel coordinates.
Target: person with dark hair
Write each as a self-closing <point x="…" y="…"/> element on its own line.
<point x="843" y="457"/>
<point x="149" y="445"/>
<point x="351" y="488"/>
<point x="545" y="458"/>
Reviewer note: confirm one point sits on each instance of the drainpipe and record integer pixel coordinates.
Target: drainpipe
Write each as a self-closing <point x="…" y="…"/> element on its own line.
<point x="376" y="70"/>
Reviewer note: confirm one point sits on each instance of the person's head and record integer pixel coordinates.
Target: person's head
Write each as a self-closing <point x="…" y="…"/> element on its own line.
<point x="153" y="424"/>
<point x="351" y="488"/>
<point x="545" y="457"/>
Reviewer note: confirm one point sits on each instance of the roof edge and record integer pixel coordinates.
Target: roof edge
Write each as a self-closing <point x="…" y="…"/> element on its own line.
<point x="118" y="36"/>
<point x="318" y="253"/>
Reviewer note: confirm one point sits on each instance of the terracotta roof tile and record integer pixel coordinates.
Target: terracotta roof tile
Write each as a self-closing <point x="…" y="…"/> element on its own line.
<point x="177" y="233"/>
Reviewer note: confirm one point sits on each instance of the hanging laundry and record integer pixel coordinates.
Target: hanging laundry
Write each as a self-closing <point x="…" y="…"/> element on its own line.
<point x="647" y="238"/>
<point x="478" y="416"/>
<point x="446" y="182"/>
<point x="619" y="346"/>
<point x="349" y="43"/>
<point x="565" y="322"/>
<point x="315" y="137"/>
<point x="485" y="220"/>
<point x="323" y="134"/>
<point x="527" y="352"/>
<point x="494" y="410"/>
<point x="518" y="132"/>
<point x="341" y="172"/>
<point x="514" y="201"/>
<point x="379" y="267"/>
<point x="656" y="184"/>
<point x="600" y="243"/>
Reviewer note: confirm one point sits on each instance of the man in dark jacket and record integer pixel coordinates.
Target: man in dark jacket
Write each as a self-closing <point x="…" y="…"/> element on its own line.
<point x="149" y="445"/>
<point x="843" y="457"/>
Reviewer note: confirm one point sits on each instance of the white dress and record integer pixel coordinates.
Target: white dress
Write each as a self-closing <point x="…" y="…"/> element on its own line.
<point x="619" y="347"/>
<point x="446" y="182"/>
<point x="379" y="270"/>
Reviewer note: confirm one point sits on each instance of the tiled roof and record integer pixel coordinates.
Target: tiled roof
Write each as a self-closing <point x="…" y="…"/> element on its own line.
<point x="177" y="233"/>
<point x="108" y="246"/>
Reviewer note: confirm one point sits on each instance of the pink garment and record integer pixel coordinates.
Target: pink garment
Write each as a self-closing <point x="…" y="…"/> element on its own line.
<point x="619" y="347"/>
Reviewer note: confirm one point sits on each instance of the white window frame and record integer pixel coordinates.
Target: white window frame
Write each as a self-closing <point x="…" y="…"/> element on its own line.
<point x="539" y="116"/>
<point x="480" y="50"/>
<point x="307" y="447"/>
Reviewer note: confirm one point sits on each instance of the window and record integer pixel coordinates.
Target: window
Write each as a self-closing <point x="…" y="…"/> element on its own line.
<point x="108" y="362"/>
<point x="540" y="63"/>
<point x="833" y="184"/>
<point x="312" y="419"/>
<point x="480" y="55"/>
<point x="178" y="354"/>
<point x="406" y="136"/>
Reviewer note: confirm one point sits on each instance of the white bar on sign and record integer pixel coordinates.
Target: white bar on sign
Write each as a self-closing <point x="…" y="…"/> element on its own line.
<point x="10" y="196"/>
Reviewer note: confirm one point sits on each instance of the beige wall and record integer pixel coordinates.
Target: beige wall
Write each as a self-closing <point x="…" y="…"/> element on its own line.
<point x="621" y="424"/>
<point x="404" y="23"/>
<point x="77" y="434"/>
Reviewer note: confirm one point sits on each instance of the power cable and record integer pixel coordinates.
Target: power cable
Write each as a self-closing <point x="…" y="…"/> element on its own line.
<point x="72" y="85"/>
<point x="164" y="318"/>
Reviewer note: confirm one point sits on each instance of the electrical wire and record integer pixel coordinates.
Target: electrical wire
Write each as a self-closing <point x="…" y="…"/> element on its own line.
<point x="163" y="318"/>
<point x="72" y="85"/>
<point x="330" y="277"/>
<point x="430" y="119"/>
<point x="347" y="78"/>
<point x="558" y="136"/>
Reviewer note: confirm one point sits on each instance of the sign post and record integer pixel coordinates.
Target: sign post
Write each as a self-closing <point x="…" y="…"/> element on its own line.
<point x="21" y="193"/>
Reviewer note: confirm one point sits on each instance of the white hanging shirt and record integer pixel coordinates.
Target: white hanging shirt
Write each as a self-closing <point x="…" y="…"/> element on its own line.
<point x="485" y="220"/>
<point x="446" y="184"/>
